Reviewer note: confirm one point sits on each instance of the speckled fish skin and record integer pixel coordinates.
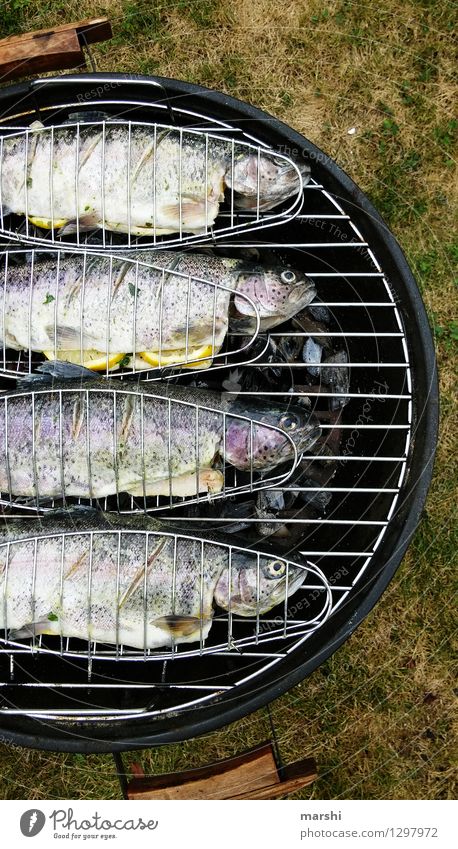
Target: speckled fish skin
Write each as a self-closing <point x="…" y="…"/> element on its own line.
<point x="157" y="302"/>
<point x="148" y="186"/>
<point x="62" y="440"/>
<point x="133" y="597"/>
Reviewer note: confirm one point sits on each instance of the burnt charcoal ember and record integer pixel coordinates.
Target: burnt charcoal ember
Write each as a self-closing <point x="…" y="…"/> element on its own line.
<point x="252" y="380"/>
<point x="229" y="509"/>
<point x="316" y="472"/>
<point x="238" y="512"/>
<point x="325" y="448"/>
<point x="289" y="348"/>
<point x="332" y="436"/>
<point x="312" y="354"/>
<point x="318" y="400"/>
<point x="320" y="313"/>
<point x="301" y="400"/>
<point x="290" y="495"/>
<point x="241" y="379"/>
<point x="315" y="329"/>
<point x="270" y="504"/>
<point x="323" y="454"/>
<point x="270" y="501"/>
<point x="318" y="499"/>
<point x="337" y="378"/>
<point x="272" y="374"/>
<point x="310" y="475"/>
<point x="234" y="380"/>
<point x="281" y="349"/>
<point x="295" y="529"/>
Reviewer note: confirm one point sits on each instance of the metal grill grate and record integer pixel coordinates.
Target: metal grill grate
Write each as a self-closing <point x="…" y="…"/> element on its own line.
<point x="359" y="465"/>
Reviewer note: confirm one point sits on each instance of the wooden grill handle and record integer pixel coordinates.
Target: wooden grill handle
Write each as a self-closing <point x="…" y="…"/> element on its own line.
<point x="52" y="49"/>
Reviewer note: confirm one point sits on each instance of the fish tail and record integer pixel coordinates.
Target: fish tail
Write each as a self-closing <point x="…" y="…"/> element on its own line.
<point x="55" y="370"/>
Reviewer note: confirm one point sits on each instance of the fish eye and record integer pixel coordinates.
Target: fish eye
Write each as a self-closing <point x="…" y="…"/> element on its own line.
<point x="275" y="569"/>
<point x="288" y="421"/>
<point x="288" y="276"/>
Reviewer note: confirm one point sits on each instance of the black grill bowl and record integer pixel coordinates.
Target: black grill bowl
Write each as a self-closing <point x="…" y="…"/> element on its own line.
<point x="140" y="98"/>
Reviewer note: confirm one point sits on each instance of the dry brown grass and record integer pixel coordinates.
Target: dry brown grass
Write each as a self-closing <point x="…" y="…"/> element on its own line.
<point x="378" y="715"/>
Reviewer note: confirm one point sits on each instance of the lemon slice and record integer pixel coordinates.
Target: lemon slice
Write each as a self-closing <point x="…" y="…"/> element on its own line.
<point x="46" y="223"/>
<point x="178" y="358"/>
<point x="95" y="360"/>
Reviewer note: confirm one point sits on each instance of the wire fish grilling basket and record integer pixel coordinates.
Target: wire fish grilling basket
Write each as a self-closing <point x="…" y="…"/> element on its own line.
<point x="83" y="444"/>
<point x="161" y="183"/>
<point x="120" y="314"/>
<point x="132" y="584"/>
<point x="349" y="504"/>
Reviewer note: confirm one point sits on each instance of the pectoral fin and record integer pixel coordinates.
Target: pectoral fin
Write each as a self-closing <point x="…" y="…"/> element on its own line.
<point x="197" y="335"/>
<point x="82" y="225"/>
<point x="180" y="626"/>
<point x="192" y="213"/>
<point x="31" y="629"/>
<point x="68" y="338"/>
<point x="210" y="480"/>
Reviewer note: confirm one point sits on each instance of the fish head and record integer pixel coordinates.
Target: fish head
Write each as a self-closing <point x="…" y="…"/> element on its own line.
<point x="255" y="583"/>
<point x="278" y="293"/>
<point x="265" y="180"/>
<point x="263" y="436"/>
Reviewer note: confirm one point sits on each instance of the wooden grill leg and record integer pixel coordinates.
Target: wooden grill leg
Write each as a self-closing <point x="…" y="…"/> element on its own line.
<point x="252" y="775"/>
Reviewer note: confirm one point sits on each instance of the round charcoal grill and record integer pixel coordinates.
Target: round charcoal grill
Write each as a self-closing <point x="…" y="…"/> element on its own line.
<point x="371" y="468"/>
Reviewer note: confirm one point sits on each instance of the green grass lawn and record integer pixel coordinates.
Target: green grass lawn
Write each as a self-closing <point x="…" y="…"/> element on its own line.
<point x="378" y="716"/>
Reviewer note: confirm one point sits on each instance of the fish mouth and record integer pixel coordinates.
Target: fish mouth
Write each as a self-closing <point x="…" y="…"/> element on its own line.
<point x="305" y="172"/>
<point x="302" y="293"/>
<point x="299" y="576"/>
<point x="308" y="439"/>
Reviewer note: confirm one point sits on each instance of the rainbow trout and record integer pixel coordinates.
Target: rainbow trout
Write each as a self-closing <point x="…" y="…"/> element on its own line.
<point x="94" y="439"/>
<point x="142" y="179"/>
<point x="132" y="582"/>
<point x="154" y="308"/>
